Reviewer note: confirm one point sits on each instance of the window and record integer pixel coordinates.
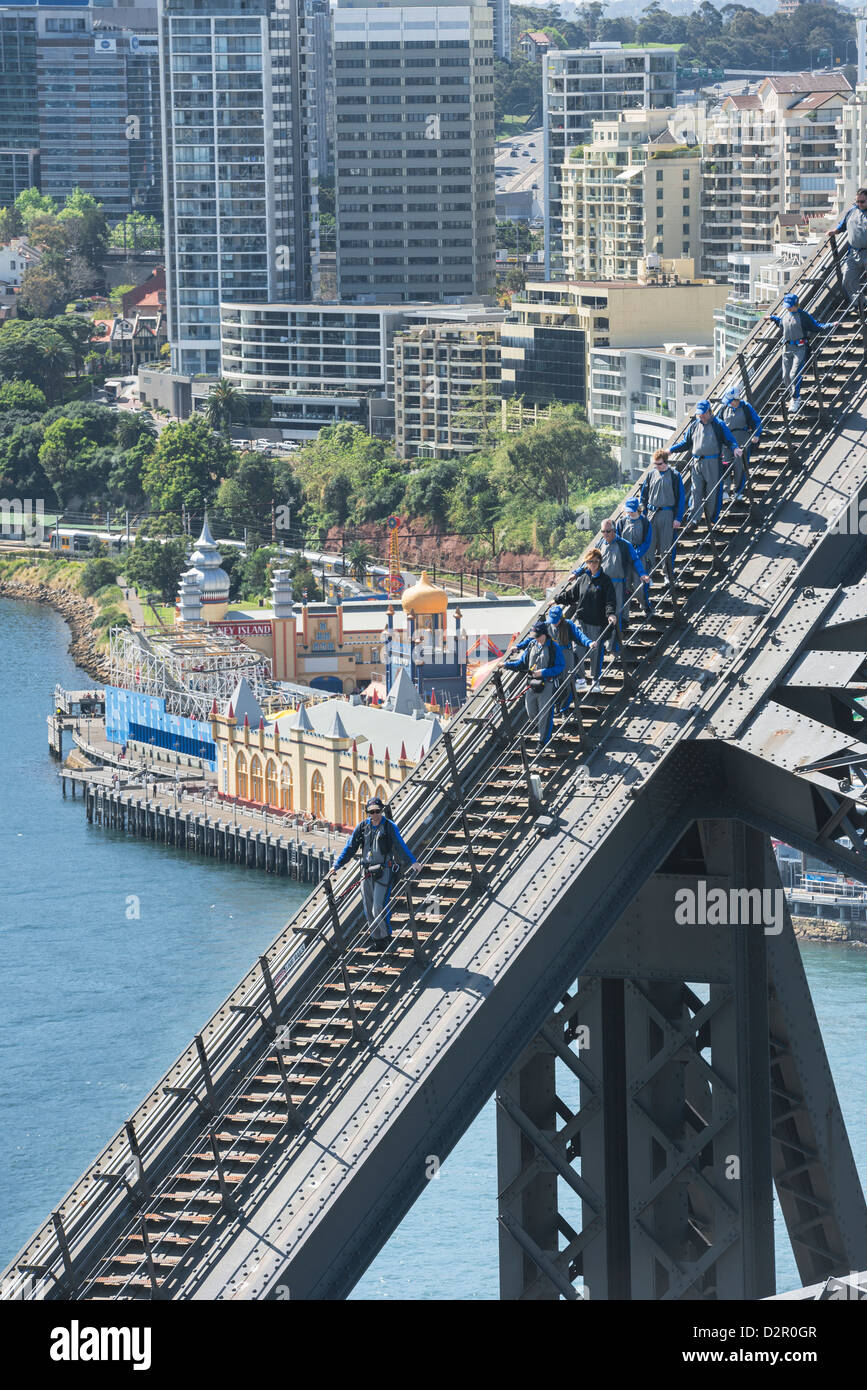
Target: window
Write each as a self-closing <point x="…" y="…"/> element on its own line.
<point x="286" y="788"/>
<point x="317" y="795"/>
<point x="659" y="176"/>
<point x="255" y="778"/>
<point x="271" y="783"/>
<point x="380" y="792"/>
<point x="350" y="815"/>
<point x="241" y="788"/>
<point x="363" y="798"/>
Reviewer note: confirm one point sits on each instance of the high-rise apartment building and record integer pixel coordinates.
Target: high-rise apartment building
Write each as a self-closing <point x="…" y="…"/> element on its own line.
<point x="321" y="69"/>
<point x="19" y="116"/>
<point x="446" y="384"/>
<point x="502" y="29"/>
<point x="239" y="155"/>
<point x="769" y="152"/>
<point x="80" y="103"/>
<point x="634" y="189"/>
<point x="586" y="84"/>
<point x="414" y="160"/>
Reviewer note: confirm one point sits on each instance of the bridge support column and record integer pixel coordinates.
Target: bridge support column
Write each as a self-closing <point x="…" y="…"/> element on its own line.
<point x="687" y="1076"/>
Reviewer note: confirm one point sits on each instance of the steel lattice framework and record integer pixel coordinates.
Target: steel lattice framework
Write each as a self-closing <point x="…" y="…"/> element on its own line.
<point x="189" y="667"/>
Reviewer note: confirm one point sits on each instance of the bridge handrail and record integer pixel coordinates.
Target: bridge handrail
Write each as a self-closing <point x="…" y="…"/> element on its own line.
<point x="236" y="1034"/>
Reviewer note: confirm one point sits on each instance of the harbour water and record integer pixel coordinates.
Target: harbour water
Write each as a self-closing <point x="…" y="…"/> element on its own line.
<point x="115" y="950"/>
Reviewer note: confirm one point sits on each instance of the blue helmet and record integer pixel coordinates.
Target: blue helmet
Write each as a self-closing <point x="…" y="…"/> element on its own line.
<point x="701" y="407"/>
<point x="555" y="613"/>
<point x="632" y="504"/>
<point x="790" y="300"/>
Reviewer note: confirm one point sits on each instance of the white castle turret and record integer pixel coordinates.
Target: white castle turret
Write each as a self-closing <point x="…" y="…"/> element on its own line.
<point x="207" y="572"/>
<point x="281" y="594"/>
<point x="189" y="599"/>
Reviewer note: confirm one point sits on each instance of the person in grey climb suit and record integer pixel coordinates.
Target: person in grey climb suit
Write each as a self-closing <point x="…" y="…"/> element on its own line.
<point x="797" y="326"/>
<point x="637" y="530"/>
<point x="542" y="661"/>
<point x="622" y="565"/>
<point x="854" y="224"/>
<point x="746" y="426"/>
<point x="380" y="843"/>
<point x="705" y="440"/>
<point x="663" y="501"/>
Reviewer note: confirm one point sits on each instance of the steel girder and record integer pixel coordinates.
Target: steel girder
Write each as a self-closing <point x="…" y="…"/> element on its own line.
<point x="703" y="1079"/>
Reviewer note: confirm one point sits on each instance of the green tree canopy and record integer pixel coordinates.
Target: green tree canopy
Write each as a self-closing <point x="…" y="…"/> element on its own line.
<point x="156" y="567"/>
<point x="34" y="352"/>
<point x="186" y="466"/>
<point x="97" y="573"/>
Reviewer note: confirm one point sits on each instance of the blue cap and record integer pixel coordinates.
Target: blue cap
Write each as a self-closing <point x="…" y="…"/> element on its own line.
<point x="701" y="407"/>
<point x="632" y="504"/>
<point x="555" y="613"/>
<point x="790" y="300"/>
<point x="539" y="625"/>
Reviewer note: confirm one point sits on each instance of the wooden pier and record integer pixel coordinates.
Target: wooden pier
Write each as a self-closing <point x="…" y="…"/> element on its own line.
<point x="201" y="832"/>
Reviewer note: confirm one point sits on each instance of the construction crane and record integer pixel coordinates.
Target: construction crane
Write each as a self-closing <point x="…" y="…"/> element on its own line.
<point x="395" y="579"/>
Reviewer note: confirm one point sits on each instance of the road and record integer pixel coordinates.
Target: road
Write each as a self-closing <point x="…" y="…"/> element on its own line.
<point x="517" y="172"/>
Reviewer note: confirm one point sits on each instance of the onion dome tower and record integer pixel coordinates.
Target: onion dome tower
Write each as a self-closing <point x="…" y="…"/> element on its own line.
<point x="212" y="580"/>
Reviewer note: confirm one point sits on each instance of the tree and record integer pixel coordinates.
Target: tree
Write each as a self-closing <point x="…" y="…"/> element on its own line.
<point x="21" y="473"/>
<point x="517" y="238"/>
<point x="31" y="204"/>
<point x="22" y="398"/>
<point x="10" y="225"/>
<point x="429" y="489"/>
<point x="76" y="333"/>
<point x="245" y="498"/>
<point x="185" y="467"/>
<point x="42" y="292"/>
<point x="223" y="406"/>
<point x="136" y="232"/>
<point x="34" y="352"/>
<point x="359" y="557"/>
<point x="97" y="573"/>
<point x="256" y="572"/>
<point x="552" y="460"/>
<point x="117" y="294"/>
<point x="156" y="566"/>
<point x="346" y="475"/>
<point x="68" y="456"/>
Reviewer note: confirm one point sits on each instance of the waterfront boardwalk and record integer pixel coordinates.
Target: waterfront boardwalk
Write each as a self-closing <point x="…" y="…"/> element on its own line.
<point x="200" y="824"/>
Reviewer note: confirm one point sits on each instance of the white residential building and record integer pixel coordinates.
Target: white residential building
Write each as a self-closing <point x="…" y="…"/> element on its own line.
<point x="774" y="151"/>
<point x="15" y="258"/>
<point x="595" y="83"/>
<point x="641" y="395"/>
<point x="633" y="190"/>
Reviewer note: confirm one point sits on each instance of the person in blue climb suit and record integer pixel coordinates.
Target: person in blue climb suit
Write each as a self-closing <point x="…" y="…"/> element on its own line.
<point x="746" y="426"/>
<point x="568" y="637"/>
<point x="543" y="662"/>
<point x="380" y="843"/>
<point x="705" y="439"/>
<point x="797" y="326"/>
